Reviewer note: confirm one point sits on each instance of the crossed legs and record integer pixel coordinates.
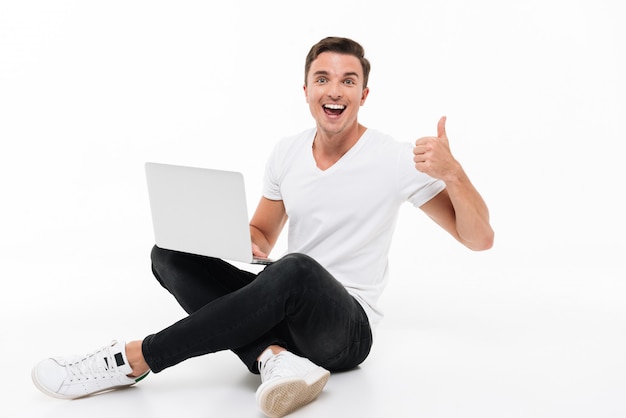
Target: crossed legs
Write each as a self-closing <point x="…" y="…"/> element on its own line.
<point x="293" y="304"/>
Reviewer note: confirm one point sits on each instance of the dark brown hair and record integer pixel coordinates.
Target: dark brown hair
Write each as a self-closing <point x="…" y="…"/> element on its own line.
<point x="341" y="46"/>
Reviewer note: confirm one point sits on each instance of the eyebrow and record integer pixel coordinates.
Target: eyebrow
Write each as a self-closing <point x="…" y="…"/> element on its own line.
<point x="348" y="74"/>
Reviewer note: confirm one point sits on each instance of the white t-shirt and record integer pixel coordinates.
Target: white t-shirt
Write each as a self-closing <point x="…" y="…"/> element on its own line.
<point x="344" y="216"/>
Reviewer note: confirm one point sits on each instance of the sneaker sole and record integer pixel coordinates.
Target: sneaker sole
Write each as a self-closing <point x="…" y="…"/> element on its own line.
<point x="48" y="392"/>
<point x="278" y="399"/>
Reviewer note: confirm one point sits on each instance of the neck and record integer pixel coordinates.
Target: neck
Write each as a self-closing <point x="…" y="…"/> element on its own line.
<point x="328" y="149"/>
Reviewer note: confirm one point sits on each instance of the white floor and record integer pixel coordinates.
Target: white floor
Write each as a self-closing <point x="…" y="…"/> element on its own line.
<point x="535" y="328"/>
<point x="484" y="342"/>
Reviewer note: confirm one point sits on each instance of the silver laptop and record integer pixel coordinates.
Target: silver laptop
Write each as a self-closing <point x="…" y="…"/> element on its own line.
<point x="200" y="211"/>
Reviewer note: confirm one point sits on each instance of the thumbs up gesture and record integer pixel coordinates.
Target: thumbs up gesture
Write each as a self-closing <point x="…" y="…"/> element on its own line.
<point x="432" y="154"/>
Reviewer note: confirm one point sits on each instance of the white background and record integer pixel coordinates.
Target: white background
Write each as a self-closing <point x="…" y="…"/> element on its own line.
<point x="534" y="92"/>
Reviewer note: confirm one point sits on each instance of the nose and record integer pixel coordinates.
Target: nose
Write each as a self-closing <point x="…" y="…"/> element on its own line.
<point x="334" y="90"/>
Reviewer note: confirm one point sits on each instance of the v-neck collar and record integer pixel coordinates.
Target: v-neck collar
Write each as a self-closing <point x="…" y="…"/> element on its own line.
<point x="342" y="159"/>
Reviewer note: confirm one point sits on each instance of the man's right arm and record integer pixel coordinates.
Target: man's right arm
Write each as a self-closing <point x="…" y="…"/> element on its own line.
<point x="266" y="225"/>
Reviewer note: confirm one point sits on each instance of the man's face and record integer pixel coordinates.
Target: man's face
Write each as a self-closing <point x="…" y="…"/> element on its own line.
<point x="334" y="91"/>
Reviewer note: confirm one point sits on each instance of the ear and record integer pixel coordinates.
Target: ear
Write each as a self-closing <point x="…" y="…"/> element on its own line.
<point x="306" y="93"/>
<point x="366" y="91"/>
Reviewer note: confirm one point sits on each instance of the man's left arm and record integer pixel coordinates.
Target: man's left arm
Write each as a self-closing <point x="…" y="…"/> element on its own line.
<point x="459" y="208"/>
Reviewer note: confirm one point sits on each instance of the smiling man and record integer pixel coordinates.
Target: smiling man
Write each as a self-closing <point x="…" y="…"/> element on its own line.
<point x="312" y="311"/>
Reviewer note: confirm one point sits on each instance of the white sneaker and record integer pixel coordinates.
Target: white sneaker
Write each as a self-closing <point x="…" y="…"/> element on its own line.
<point x="289" y="382"/>
<point x="78" y="376"/>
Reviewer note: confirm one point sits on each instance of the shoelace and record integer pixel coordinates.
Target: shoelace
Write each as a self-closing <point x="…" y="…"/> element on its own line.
<point x="89" y="367"/>
<point x="269" y="369"/>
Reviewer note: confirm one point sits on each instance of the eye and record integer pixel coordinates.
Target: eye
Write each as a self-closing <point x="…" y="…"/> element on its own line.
<point x="349" y="82"/>
<point x="321" y="80"/>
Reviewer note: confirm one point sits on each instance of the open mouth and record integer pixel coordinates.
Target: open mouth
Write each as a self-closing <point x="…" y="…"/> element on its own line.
<point x="334" y="109"/>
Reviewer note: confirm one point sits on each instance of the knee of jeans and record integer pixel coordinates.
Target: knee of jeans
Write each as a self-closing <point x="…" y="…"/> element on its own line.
<point x="157" y="256"/>
<point x="296" y="264"/>
<point x="308" y="271"/>
<point x="298" y="259"/>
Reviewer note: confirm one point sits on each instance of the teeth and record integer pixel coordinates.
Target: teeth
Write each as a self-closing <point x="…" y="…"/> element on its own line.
<point x="334" y="106"/>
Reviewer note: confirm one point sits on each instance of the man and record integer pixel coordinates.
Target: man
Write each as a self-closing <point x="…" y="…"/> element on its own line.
<point x="312" y="311"/>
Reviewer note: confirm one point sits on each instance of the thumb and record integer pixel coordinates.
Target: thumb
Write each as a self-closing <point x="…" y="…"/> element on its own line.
<point x="441" y="127"/>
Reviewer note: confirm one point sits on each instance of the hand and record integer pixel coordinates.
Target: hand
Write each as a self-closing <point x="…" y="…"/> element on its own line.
<point x="433" y="156"/>
<point x="256" y="251"/>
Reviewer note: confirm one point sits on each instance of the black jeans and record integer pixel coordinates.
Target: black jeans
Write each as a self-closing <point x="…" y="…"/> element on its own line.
<point x="294" y="303"/>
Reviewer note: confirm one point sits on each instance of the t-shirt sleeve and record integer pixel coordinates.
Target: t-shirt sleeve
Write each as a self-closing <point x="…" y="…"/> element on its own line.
<point x="418" y="187"/>
<point x="271" y="178"/>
